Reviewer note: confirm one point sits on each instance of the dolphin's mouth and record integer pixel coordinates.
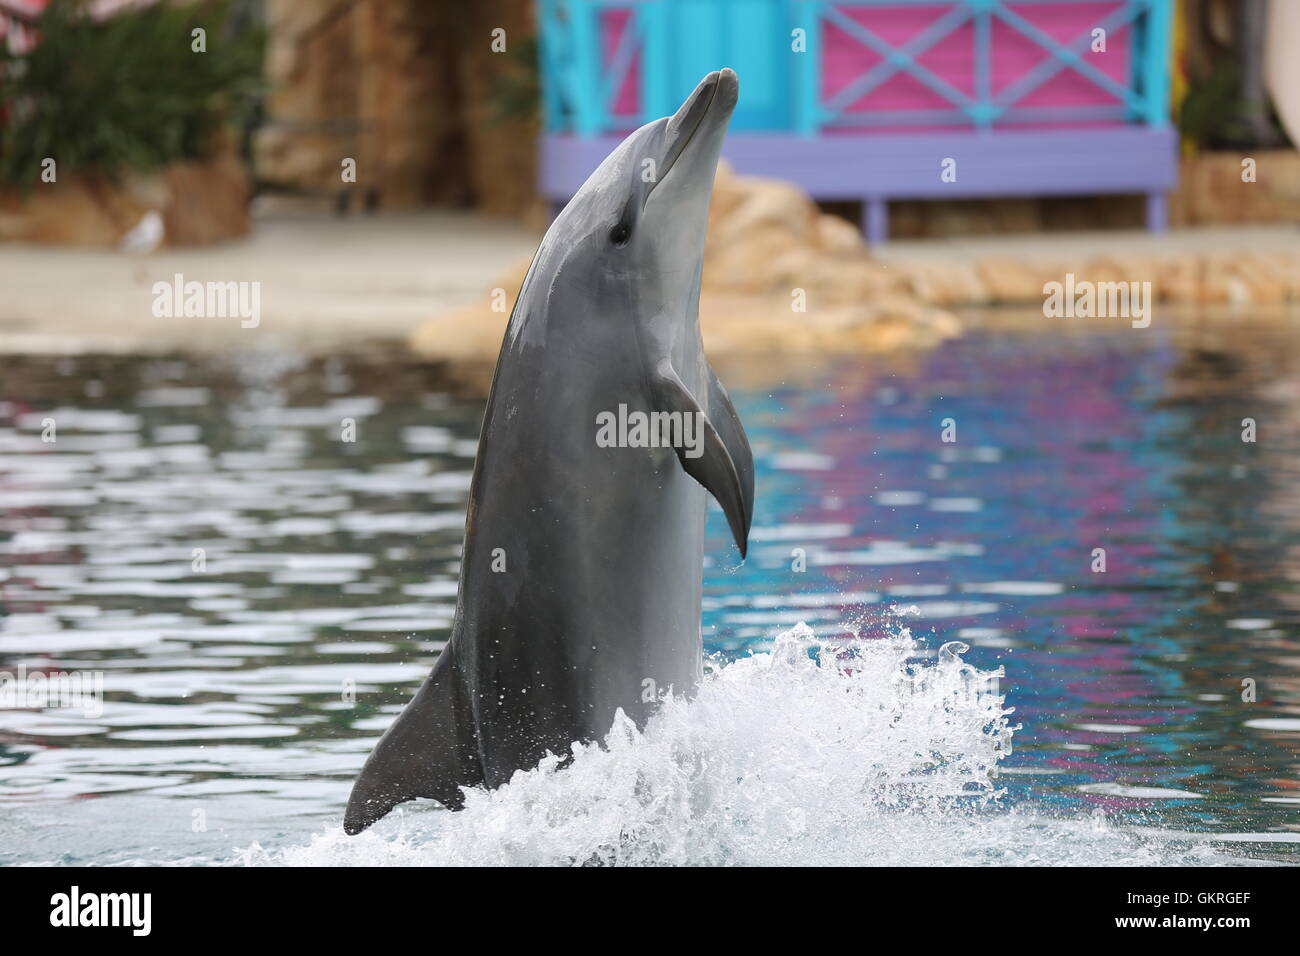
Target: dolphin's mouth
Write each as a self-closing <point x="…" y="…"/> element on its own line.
<point x="710" y="104"/>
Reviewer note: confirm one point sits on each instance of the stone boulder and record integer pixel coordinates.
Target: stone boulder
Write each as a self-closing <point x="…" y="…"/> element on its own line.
<point x="779" y="275"/>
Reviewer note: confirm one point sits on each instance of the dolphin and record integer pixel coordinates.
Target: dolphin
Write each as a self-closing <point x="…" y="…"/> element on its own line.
<point x="581" y="571"/>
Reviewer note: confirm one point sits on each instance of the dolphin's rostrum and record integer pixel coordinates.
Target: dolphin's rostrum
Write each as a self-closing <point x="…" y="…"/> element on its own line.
<point x="580" y="580"/>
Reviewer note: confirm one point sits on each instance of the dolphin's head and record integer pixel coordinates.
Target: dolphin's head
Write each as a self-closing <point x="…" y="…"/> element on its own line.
<point x="673" y="163"/>
<point x="637" y="225"/>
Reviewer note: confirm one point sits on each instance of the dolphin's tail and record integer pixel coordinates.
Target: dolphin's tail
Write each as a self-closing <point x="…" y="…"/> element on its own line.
<point x="429" y="751"/>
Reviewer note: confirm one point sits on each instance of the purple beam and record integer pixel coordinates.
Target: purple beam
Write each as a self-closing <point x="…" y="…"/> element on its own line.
<point x="1101" y="160"/>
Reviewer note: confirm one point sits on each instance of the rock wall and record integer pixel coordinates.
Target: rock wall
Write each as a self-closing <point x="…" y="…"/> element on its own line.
<point x="409" y="90"/>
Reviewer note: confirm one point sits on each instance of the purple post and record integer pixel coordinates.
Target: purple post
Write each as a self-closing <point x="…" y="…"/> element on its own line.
<point x="875" y="219"/>
<point x="1157" y="212"/>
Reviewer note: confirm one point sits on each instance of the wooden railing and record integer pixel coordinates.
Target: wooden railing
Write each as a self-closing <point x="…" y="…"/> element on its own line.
<point x="815" y="66"/>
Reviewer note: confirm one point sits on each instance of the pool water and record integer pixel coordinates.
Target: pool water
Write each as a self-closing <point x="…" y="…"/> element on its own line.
<point x="261" y="596"/>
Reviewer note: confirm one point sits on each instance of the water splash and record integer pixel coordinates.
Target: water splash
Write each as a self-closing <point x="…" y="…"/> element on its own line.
<point x="821" y="750"/>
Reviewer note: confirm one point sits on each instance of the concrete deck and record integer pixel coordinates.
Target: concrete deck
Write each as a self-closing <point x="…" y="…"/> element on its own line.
<point x="1264" y="237"/>
<point x="328" y="282"/>
<point x="324" y="281"/>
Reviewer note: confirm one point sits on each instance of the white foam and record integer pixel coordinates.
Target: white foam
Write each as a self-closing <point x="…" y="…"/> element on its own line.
<point x="827" y="752"/>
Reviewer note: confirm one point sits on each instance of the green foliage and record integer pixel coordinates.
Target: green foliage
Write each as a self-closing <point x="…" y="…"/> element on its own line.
<point x="1210" y="111"/>
<point x="517" y="93"/>
<point x="1214" y="115"/>
<point x="127" y="92"/>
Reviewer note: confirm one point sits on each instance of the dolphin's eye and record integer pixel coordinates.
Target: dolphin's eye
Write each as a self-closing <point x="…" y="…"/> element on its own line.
<point x="620" y="234"/>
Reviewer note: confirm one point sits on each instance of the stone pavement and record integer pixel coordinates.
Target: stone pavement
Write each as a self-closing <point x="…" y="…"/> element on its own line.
<point x="325" y="282"/>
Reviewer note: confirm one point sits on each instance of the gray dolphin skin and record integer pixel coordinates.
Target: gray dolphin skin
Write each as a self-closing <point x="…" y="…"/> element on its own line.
<point x="581" y="574"/>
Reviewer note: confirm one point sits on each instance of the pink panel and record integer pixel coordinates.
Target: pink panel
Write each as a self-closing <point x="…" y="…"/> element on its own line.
<point x="627" y="101"/>
<point x="844" y="58"/>
<point x="1015" y="54"/>
<point x="953" y="57"/>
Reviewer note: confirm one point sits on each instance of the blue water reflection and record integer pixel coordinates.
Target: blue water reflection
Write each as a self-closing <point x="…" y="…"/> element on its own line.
<point x="331" y="561"/>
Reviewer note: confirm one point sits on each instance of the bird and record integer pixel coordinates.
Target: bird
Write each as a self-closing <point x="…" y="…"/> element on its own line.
<point x="145" y="236"/>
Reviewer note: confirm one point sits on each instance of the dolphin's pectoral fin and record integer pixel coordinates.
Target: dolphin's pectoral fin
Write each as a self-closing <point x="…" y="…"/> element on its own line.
<point x="710" y="463"/>
<point x="429" y="751"/>
<point x="723" y="415"/>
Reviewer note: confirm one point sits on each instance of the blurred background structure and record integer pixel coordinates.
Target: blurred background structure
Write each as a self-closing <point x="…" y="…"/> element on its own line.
<point x="851" y="100"/>
<point x="866" y="120"/>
